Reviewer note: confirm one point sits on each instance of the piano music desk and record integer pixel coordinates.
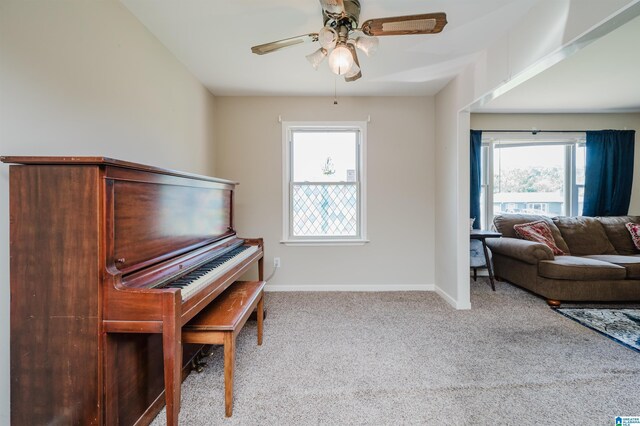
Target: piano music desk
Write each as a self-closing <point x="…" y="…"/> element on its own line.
<point x="221" y="321"/>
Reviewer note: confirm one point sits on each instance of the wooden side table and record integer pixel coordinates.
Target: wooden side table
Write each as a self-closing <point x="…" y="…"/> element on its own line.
<point x="478" y="234"/>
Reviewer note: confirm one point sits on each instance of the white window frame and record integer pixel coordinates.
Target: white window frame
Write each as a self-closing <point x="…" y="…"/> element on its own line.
<point x="288" y="127"/>
<point x="569" y="140"/>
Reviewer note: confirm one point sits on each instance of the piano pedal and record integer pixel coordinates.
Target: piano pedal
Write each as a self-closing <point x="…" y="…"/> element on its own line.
<point x="207" y="351"/>
<point x="198" y="362"/>
<point x="198" y="365"/>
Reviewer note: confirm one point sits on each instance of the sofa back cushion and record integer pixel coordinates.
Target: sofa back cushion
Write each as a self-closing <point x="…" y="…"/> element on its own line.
<point x="618" y="234"/>
<point x="504" y="224"/>
<point x="584" y="235"/>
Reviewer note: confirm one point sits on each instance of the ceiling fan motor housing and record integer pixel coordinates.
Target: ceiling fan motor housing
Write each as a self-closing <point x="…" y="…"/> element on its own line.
<point x="349" y="18"/>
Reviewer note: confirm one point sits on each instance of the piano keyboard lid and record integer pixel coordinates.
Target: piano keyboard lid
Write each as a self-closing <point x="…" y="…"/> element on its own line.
<point x="167" y="270"/>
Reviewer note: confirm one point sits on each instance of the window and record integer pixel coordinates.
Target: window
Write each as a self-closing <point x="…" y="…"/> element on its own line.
<point x="323" y="191"/>
<point x="539" y="174"/>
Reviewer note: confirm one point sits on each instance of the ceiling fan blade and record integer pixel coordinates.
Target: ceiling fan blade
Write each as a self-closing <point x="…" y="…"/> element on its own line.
<point x="281" y="44"/>
<point x="354" y="78"/>
<point x="333" y="7"/>
<point x="429" y="23"/>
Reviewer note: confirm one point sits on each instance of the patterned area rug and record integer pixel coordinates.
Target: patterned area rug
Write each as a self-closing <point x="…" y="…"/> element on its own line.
<point x="621" y="325"/>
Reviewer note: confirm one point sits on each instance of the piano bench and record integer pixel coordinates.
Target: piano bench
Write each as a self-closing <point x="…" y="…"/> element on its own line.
<point x="221" y="321"/>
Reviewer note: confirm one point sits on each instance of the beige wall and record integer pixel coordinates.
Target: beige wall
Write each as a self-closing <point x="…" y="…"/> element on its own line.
<point x="451" y="209"/>
<point x="630" y="121"/>
<point x="85" y="77"/>
<point x="400" y="189"/>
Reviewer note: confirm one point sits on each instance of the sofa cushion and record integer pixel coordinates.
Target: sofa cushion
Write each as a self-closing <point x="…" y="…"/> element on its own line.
<point x="580" y="268"/>
<point x="584" y="235"/>
<point x="618" y="234"/>
<point x="630" y="263"/>
<point x="634" y="231"/>
<point x="504" y="224"/>
<point x="539" y="232"/>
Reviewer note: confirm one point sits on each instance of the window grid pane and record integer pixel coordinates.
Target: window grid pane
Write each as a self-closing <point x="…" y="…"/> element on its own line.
<point x="324" y="210"/>
<point x="581" y="156"/>
<point x="580" y="200"/>
<point x="324" y="156"/>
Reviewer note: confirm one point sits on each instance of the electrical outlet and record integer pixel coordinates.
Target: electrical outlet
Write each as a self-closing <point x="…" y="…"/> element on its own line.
<point x="276" y="262"/>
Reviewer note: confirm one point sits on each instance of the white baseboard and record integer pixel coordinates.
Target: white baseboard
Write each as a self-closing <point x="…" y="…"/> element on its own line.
<point x="368" y="288"/>
<point x="351" y="287"/>
<point x="450" y="300"/>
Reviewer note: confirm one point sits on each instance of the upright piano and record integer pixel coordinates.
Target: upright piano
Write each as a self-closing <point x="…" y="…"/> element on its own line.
<point x="109" y="259"/>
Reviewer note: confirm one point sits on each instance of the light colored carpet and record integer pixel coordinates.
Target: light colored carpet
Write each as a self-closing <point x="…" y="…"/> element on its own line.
<point x="409" y="358"/>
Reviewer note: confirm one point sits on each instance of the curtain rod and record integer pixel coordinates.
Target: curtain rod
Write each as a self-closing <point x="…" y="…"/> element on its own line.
<point x="533" y="131"/>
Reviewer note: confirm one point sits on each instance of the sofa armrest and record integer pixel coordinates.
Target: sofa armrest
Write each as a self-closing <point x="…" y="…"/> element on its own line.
<point x="526" y="251"/>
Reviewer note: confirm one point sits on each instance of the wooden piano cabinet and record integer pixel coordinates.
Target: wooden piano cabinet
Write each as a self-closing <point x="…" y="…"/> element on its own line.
<point x="91" y="344"/>
<point x="56" y="371"/>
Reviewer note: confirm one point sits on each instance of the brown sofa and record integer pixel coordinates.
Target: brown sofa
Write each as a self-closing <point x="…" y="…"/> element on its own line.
<point x="602" y="264"/>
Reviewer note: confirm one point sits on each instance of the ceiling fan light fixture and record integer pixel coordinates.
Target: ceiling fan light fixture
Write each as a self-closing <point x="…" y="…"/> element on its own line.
<point x="341" y="60"/>
<point x="316" y="58"/>
<point x="355" y="73"/>
<point x="343" y="35"/>
<point x="355" y="69"/>
<point x="328" y="37"/>
<point x="369" y="45"/>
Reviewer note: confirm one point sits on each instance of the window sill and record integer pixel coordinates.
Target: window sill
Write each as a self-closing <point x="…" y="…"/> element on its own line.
<point x="324" y="242"/>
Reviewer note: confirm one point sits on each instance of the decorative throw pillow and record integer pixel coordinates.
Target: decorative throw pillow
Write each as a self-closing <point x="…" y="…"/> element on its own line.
<point x="634" y="230"/>
<point x="539" y="232"/>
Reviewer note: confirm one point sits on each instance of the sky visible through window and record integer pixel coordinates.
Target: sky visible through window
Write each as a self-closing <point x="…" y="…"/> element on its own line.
<point x="311" y="150"/>
<point x="530" y="156"/>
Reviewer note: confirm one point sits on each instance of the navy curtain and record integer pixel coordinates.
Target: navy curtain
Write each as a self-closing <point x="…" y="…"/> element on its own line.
<point x="476" y="166"/>
<point x="608" y="172"/>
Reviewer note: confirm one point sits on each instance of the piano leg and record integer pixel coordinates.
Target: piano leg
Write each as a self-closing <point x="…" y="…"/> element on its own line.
<point x="255" y="315"/>
<point x="229" y="364"/>
<point x="172" y="351"/>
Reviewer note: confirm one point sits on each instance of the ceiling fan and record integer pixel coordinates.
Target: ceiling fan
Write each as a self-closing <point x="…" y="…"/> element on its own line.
<point x="340" y="37"/>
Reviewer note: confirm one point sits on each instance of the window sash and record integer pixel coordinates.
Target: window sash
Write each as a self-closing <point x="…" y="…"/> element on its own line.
<point x="289" y="130"/>
<point x="355" y="131"/>
<point x="323" y="218"/>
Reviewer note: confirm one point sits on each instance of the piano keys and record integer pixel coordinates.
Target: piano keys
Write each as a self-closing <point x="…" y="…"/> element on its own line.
<point x="109" y="259"/>
<point x="191" y="282"/>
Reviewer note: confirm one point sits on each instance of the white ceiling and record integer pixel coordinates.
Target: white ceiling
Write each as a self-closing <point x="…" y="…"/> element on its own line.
<point x="213" y="39"/>
<point x="602" y="77"/>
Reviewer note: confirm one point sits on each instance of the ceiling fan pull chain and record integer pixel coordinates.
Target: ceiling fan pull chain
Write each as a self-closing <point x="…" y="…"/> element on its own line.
<point x="335" y="90"/>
